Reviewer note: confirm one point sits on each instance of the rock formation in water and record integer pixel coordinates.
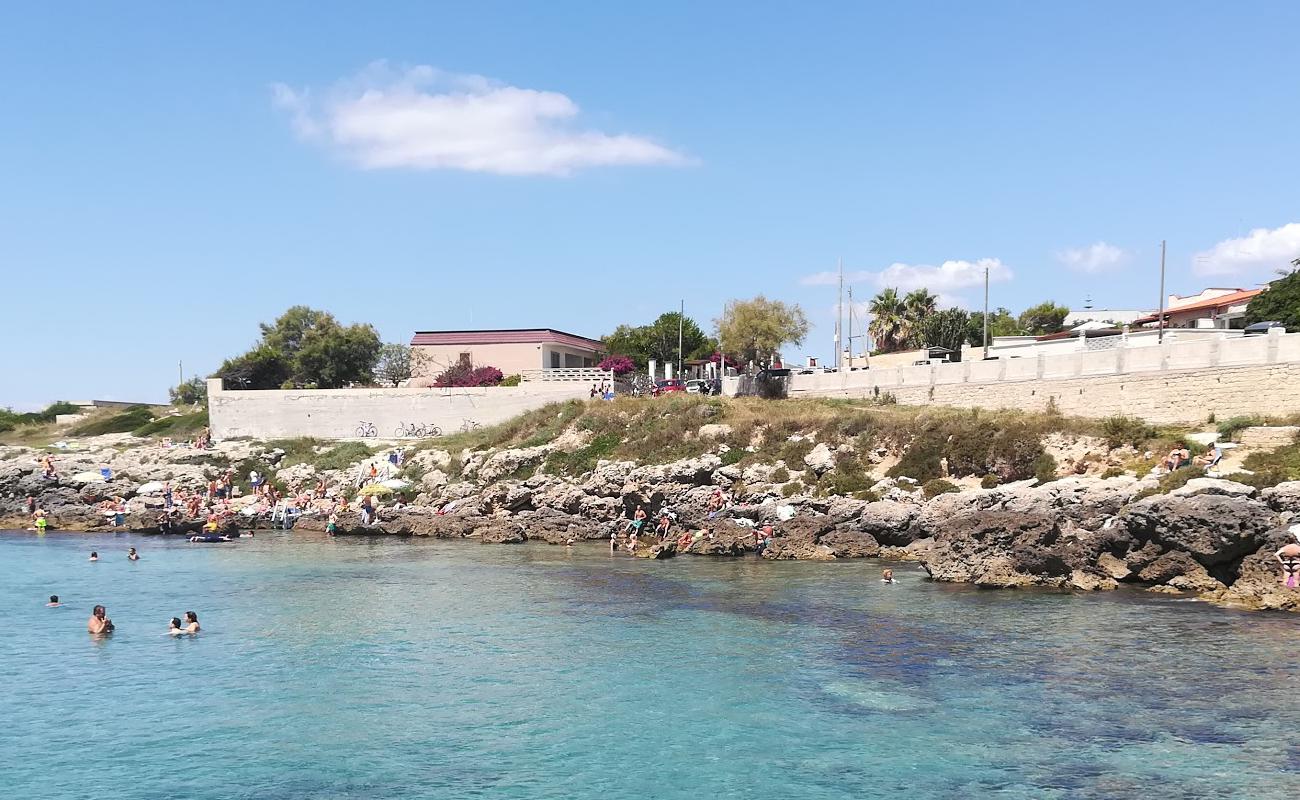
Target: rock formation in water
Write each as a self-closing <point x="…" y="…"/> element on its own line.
<point x="1210" y="538"/>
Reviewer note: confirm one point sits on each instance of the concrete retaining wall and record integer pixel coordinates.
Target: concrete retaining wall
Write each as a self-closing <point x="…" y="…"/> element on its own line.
<point x="1183" y="382"/>
<point x="336" y="413"/>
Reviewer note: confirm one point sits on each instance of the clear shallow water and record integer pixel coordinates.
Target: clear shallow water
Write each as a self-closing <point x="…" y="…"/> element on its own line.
<point x="425" y="669"/>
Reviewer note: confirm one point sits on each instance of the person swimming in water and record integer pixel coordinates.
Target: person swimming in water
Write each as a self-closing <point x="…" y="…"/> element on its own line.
<point x="99" y="623"/>
<point x="1289" y="557"/>
<point x="54" y="602"/>
<point x="191" y="622"/>
<point x="887" y="576"/>
<point x="94" y="556"/>
<point x="174" y="627"/>
<point x="132" y="555"/>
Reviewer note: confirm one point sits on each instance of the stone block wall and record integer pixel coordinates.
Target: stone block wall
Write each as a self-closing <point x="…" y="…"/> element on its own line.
<point x="1172" y="396"/>
<point x="1268" y="438"/>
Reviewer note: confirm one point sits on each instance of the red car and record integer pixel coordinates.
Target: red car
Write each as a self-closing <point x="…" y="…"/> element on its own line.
<point x="662" y="387"/>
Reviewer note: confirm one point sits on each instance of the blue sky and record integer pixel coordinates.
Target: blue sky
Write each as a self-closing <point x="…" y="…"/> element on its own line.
<point x="170" y="175"/>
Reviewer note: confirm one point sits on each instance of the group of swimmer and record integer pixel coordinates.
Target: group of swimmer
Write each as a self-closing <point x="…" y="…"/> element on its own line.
<point x="100" y="624"/>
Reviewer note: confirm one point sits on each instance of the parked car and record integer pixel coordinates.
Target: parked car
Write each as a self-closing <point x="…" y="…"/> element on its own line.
<point x="697" y="386"/>
<point x="1263" y="327"/>
<point x="673" y="385"/>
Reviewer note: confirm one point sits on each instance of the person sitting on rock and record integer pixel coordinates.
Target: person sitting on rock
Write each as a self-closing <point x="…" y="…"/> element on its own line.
<point x="661" y="529"/>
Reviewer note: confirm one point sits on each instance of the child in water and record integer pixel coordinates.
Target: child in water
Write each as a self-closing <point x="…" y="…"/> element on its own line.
<point x="887" y="576"/>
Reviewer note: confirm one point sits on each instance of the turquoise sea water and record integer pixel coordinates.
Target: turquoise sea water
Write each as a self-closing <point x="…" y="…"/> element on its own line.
<point x="426" y="669"/>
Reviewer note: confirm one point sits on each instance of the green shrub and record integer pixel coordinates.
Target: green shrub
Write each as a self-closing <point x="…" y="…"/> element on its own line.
<point x="1282" y="463"/>
<point x="868" y="495"/>
<point x="1229" y="428"/>
<point x="974" y="445"/>
<point x="582" y="460"/>
<point x="938" y="486"/>
<point x="847" y="478"/>
<point x="1121" y="430"/>
<point x="1045" y="468"/>
<point x="174" y="425"/>
<point x="732" y="456"/>
<point x="1112" y="472"/>
<point x="989" y="481"/>
<point x="123" y="421"/>
<point x="792" y="489"/>
<point x="511" y="380"/>
<point x="1170" y="481"/>
<point x="1260" y="480"/>
<point x="780" y="475"/>
<point x="343" y="455"/>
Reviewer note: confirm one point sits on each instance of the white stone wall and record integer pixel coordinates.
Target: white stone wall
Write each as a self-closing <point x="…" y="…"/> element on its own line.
<point x="1175" y="382"/>
<point x="336" y="413"/>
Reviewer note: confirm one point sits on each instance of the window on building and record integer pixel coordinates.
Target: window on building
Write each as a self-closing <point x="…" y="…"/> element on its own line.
<point x="555" y="360"/>
<point x="465" y="358"/>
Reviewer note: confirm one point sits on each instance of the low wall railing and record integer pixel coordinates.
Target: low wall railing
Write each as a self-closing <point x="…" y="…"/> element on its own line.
<point x="568" y="375"/>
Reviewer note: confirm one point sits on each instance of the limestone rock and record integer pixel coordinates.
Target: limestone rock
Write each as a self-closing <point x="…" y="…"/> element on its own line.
<point x="1213" y="529"/>
<point x="499" y="532"/>
<point x="510" y="463"/>
<point x="1283" y="497"/>
<point x="820" y="459"/>
<point x="1214" y="486"/>
<point x="715" y="430"/>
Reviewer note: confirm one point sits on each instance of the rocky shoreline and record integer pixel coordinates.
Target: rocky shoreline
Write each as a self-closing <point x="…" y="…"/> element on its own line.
<point x="1211" y="539"/>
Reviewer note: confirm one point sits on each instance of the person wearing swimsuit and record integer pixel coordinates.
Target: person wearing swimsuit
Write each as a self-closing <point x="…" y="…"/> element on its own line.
<point x="1289" y="557"/>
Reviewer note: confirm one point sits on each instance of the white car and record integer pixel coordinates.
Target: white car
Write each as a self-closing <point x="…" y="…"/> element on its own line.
<point x="696" y="386"/>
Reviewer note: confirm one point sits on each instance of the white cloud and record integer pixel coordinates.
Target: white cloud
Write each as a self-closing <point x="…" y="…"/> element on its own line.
<point x="944" y="280"/>
<point x="1259" y="251"/>
<point x="1096" y="257"/>
<point x="423" y="118"/>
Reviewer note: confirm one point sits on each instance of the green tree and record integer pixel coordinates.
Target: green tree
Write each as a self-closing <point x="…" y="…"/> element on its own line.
<point x="658" y="340"/>
<point x="630" y="341"/>
<point x="394" y="363"/>
<point x="194" y="390"/>
<point x="941" y="329"/>
<point x="888" y="322"/>
<point x="757" y="328"/>
<point x="305" y="347"/>
<point x="917" y="305"/>
<point x="1279" y="303"/>
<point x="263" y="367"/>
<point x="1001" y="323"/>
<point x="1044" y="318"/>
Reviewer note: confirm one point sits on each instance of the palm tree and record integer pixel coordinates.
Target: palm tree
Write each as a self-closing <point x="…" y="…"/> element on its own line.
<point x="887" y="321"/>
<point x="917" y="305"/>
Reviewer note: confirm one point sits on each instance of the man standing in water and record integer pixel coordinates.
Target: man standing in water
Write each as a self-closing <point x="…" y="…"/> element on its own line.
<point x="99" y="623"/>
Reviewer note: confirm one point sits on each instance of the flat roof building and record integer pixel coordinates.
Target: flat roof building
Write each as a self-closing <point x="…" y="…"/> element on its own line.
<point x="513" y="351"/>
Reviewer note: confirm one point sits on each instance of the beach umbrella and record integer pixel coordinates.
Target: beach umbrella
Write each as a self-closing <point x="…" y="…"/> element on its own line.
<point x="152" y="487"/>
<point x="375" y="488"/>
<point x="396" y="484"/>
<point x="87" y="477"/>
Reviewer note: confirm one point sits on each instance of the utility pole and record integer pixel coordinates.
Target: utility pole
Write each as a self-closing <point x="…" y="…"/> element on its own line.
<point x="839" y="322"/>
<point x="850" y="327"/>
<point x="180" y="372"/>
<point x="681" y="320"/>
<point x="986" y="312"/>
<point x="1160" y="336"/>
